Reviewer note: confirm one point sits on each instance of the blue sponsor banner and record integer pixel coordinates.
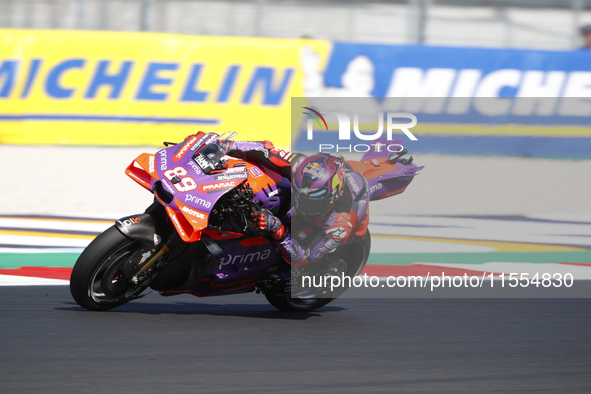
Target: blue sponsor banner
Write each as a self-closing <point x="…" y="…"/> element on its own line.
<point x="524" y="86"/>
<point x="527" y="95"/>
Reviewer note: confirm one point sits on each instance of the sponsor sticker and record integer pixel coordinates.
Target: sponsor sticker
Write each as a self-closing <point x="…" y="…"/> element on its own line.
<point x="170" y="189"/>
<point x="255" y="172"/>
<point x="195" y="167"/>
<point x="204" y="164"/>
<point x="218" y="186"/>
<point x="251" y="258"/>
<point x="314" y="169"/>
<point x="177" y="225"/>
<point x="394" y="192"/>
<point x="151" y="166"/>
<point x="229" y="177"/>
<point x="128" y="223"/>
<point x="197" y="201"/>
<point x="236" y="168"/>
<point x="163" y="165"/>
<point x="336" y="233"/>
<point x="352" y="183"/>
<point x="193" y="212"/>
<point x="285" y="155"/>
<point x="183" y="149"/>
<point x="375" y="187"/>
<point x="202" y="141"/>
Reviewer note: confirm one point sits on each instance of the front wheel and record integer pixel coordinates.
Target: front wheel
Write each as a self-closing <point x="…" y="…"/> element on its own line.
<point x="96" y="282"/>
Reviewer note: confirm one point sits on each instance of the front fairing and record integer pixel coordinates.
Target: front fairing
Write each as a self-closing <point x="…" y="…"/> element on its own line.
<point x="189" y="194"/>
<point x="194" y="193"/>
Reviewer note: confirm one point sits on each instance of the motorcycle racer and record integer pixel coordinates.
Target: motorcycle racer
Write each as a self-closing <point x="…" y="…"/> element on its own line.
<point x="207" y="245"/>
<point x="329" y="201"/>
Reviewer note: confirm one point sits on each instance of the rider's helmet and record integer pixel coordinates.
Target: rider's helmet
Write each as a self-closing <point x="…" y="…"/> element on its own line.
<point x="318" y="184"/>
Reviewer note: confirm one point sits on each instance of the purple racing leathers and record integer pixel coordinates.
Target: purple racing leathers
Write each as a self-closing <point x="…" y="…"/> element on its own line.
<point x="348" y="218"/>
<point x="310" y="240"/>
<point x="265" y="154"/>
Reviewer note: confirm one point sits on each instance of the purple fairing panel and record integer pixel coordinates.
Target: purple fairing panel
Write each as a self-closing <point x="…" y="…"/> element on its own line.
<point x="271" y="196"/>
<point x="393" y="182"/>
<point x="242" y="264"/>
<point x="244" y="257"/>
<point x="247" y="145"/>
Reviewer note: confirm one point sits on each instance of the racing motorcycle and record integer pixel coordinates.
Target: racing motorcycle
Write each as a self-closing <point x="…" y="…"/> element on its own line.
<point x="197" y="236"/>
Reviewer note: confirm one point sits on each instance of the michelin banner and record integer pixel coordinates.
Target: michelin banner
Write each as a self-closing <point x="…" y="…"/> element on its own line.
<point x="106" y="88"/>
<point x="61" y="87"/>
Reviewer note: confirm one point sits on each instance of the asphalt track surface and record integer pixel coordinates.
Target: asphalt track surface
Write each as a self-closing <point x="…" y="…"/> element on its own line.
<point x="242" y="344"/>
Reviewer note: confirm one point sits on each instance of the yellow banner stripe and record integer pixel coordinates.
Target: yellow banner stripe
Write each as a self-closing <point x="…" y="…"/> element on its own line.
<point x="47" y="235"/>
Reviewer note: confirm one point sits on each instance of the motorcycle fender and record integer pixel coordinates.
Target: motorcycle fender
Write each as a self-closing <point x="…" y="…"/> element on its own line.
<point x="140" y="227"/>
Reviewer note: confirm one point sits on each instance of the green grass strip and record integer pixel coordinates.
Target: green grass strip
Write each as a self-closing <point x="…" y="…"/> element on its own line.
<point x="15" y="260"/>
<point x="479" y="258"/>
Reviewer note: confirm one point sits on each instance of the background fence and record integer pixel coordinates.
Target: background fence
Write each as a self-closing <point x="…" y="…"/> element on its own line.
<point x="497" y="23"/>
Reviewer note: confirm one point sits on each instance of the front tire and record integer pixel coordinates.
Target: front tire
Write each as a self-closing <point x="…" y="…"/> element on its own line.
<point x="96" y="282"/>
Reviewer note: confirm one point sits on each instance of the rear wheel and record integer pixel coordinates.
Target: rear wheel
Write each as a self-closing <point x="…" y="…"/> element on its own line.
<point x="96" y="282"/>
<point x="351" y="261"/>
<point x="288" y="304"/>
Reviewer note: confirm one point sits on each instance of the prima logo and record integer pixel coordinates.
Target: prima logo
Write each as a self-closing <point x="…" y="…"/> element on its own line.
<point x="245" y="258"/>
<point x="163" y="165"/>
<point x="197" y="201"/>
<point x="195" y="167"/>
<point x="375" y="188"/>
<point x="345" y="130"/>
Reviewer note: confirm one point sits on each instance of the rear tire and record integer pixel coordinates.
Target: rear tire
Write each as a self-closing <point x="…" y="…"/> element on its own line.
<point x="357" y="259"/>
<point x="287" y="304"/>
<point x="95" y="283"/>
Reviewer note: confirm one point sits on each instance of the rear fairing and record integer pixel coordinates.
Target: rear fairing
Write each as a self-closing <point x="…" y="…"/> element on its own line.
<point x="383" y="178"/>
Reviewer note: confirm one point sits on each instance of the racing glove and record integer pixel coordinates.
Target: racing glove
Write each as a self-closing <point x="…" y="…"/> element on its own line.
<point x="268" y="223"/>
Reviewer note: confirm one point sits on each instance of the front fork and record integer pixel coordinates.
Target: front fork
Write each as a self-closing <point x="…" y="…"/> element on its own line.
<point x="145" y="229"/>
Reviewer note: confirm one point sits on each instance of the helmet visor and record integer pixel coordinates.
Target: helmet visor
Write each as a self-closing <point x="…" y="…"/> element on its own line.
<point x="311" y="206"/>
